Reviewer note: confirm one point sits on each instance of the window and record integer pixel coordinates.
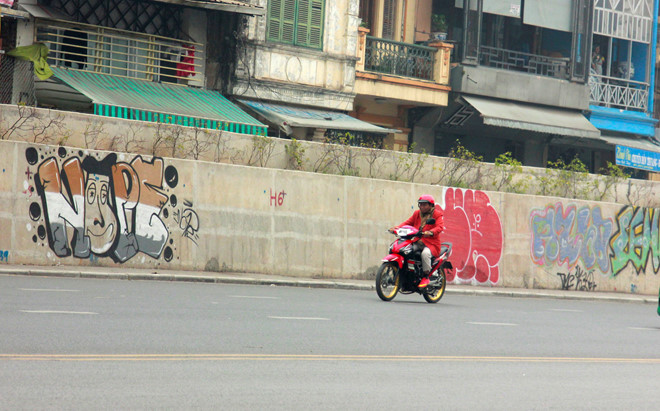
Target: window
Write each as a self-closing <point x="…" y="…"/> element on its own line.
<point x="389" y="19"/>
<point x="297" y="22"/>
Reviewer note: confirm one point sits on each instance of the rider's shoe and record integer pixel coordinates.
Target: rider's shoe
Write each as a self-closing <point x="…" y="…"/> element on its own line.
<point x="425" y="281"/>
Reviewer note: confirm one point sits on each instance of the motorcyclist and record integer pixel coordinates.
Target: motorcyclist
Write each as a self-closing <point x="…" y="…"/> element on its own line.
<point x="429" y="243"/>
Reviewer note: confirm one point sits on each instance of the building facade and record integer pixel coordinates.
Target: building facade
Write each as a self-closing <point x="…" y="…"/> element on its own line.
<point x="312" y="70"/>
<point x="548" y="80"/>
<point x="158" y="61"/>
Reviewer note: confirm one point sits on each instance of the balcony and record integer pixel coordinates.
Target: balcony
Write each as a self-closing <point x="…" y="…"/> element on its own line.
<point x="403" y="72"/>
<point x="557" y="67"/>
<point x="528" y="78"/>
<point x="619" y="93"/>
<point x="120" y="53"/>
<point x="399" y="59"/>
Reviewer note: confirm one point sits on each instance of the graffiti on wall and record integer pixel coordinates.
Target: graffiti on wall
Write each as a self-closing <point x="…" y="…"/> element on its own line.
<point x="568" y="235"/>
<point x="90" y="206"/>
<point x="187" y="220"/>
<point x="474" y="228"/>
<point x="637" y="239"/>
<point x="4" y="256"/>
<point x="578" y="279"/>
<point x="276" y="199"/>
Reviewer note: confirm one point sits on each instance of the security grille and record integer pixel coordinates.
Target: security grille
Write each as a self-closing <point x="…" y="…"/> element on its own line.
<point x="135" y="15"/>
<point x="103" y="50"/>
<point x="16" y="81"/>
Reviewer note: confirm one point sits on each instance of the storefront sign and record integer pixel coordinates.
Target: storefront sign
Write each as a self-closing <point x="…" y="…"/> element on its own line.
<point x="637" y="158"/>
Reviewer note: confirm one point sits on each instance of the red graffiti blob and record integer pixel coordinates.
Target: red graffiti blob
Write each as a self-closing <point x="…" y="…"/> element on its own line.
<point x="474" y="228"/>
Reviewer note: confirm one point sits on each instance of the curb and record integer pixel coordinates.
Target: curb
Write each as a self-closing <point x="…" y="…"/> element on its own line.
<point x="311" y="283"/>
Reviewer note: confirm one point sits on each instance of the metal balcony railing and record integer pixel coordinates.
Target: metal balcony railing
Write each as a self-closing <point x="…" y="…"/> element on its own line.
<point x="619" y="93"/>
<point x="530" y="63"/>
<point x="119" y="52"/>
<point x="401" y="59"/>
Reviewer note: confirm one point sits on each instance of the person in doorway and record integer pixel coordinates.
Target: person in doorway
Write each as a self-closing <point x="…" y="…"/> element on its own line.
<point x="429" y="244"/>
<point x="597" y="61"/>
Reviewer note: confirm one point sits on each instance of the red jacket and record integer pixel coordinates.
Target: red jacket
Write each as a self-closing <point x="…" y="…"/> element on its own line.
<point x="433" y="243"/>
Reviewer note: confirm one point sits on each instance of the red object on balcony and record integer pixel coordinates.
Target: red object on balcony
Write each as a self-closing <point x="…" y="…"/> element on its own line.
<point x="186" y="67"/>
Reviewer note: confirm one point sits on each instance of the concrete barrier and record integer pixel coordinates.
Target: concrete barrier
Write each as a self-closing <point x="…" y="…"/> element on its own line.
<point x="71" y="206"/>
<point x="87" y="131"/>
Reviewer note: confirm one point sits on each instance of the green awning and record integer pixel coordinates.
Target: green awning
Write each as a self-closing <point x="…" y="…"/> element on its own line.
<point x="135" y="99"/>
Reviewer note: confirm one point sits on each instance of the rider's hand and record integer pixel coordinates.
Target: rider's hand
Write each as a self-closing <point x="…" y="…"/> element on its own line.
<point x="391" y="230"/>
<point x="428" y="233"/>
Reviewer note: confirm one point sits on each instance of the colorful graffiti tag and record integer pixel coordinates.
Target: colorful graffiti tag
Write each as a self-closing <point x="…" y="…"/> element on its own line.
<point x="637" y="239"/>
<point x="475" y="230"/>
<point x="565" y="236"/>
<point x="100" y="207"/>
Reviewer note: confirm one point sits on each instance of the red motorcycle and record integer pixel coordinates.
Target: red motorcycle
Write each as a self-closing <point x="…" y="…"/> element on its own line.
<point x="401" y="270"/>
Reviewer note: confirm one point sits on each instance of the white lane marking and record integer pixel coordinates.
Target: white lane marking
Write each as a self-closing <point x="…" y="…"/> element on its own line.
<point x="255" y="296"/>
<point x="484" y="323"/>
<point x="565" y="310"/>
<point x="49" y="289"/>
<point x="644" y="328"/>
<point x="299" y="318"/>
<point x="57" y="312"/>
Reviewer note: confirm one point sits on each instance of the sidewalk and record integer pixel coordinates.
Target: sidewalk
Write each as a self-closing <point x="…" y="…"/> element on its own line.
<point x="264" y="279"/>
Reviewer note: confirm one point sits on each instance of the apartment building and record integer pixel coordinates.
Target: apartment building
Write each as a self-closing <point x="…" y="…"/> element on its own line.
<point x="548" y="80"/>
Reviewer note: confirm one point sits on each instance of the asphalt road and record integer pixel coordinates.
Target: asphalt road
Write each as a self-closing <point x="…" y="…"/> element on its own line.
<point x="108" y="344"/>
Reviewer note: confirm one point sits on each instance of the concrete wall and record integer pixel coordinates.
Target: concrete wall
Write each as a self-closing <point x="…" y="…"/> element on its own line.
<point x="510" y="85"/>
<point x="72" y="206"/>
<point x="103" y="133"/>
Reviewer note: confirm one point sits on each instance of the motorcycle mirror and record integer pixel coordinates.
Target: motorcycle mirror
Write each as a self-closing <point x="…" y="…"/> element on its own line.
<point x="430" y="221"/>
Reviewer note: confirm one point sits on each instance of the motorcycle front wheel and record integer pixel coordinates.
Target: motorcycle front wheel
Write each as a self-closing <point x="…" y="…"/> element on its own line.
<point x="436" y="290"/>
<point x="387" y="281"/>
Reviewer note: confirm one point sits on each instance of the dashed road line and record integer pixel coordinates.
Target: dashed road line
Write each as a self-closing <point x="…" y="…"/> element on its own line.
<point x="57" y="312"/>
<point x="299" y="318"/>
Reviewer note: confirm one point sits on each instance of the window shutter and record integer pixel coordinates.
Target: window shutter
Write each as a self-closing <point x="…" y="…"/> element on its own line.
<point x="389" y="16"/>
<point x="316" y="24"/>
<point x="288" y="21"/>
<point x="281" y="20"/>
<point x="298" y="22"/>
<point x="302" y="26"/>
<point x="274" y="20"/>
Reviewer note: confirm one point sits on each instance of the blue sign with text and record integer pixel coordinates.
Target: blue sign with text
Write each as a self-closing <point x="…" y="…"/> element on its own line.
<point x="637" y="158"/>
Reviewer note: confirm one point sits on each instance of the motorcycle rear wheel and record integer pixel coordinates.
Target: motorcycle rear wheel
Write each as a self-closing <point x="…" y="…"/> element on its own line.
<point x="433" y="294"/>
<point x="387" y="281"/>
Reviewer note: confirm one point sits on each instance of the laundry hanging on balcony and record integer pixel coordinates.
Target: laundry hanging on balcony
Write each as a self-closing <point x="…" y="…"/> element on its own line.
<point x="37" y="53"/>
<point x="186" y="67"/>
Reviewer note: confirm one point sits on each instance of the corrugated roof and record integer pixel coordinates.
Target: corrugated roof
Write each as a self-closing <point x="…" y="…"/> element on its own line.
<point x="287" y="116"/>
<point x="148" y="101"/>
<point x="235" y="6"/>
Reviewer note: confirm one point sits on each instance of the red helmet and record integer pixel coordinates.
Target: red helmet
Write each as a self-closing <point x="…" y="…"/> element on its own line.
<point x="426" y="198"/>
